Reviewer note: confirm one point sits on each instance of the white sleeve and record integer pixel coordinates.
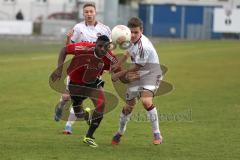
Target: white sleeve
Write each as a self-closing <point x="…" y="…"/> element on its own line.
<point x="76" y="34"/>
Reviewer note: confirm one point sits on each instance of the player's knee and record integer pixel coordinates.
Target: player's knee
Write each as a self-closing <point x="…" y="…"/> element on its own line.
<point x="78" y="110"/>
<point x="66" y="97"/>
<point x="131" y="102"/>
<point x="146" y="103"/>
<point x="127" y="110"/>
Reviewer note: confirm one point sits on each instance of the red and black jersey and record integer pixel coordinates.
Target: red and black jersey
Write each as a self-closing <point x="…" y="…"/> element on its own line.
<point x="85" y="66"/>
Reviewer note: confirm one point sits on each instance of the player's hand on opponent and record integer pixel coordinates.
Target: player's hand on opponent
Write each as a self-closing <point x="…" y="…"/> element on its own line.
<point x="132" y="76"/>
<point x="56" y="75"/>
<point x="125" y="76"/>
<point x="115" y="67"/>
<point x="116" y="76"/>
<point x="66" y="96"/>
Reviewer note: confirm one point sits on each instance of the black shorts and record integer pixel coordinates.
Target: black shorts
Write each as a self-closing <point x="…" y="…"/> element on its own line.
<point x="81" y="92"/>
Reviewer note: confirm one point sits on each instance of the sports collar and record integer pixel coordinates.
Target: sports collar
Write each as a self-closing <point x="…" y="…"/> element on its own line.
<point x="138" y="40"/>
<point x="90" y="25"/>
<point x="96" y="55"/>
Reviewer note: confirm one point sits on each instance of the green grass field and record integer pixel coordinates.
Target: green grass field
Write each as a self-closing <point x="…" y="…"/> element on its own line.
<point x="200" y="118"/>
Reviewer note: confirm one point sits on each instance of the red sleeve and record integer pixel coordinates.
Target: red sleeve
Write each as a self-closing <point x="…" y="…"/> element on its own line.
<point x="114" y="61"/>
<point x="70" y="49"/>
<point x="111" y="59"/>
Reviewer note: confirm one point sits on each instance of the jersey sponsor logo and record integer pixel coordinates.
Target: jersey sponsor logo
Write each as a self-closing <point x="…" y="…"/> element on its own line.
<point x="100" y="65"/>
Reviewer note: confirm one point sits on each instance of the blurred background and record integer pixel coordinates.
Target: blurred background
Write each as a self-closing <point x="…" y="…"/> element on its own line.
<point x="178" y="19"/>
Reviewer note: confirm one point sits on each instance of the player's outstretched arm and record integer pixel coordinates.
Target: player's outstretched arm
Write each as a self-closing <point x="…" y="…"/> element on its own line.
<point x="128" y="75"/>
<point x="125" y="77"/>
<point x="61" y="58"/>
<point x="120" y="62"/>
<point x="115" y="76"/>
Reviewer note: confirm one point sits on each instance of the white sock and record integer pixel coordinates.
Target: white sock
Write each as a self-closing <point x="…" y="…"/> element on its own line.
<point x="71" y="118"/>
<point x="123" y="122"/>
<point x="153" y="117"/>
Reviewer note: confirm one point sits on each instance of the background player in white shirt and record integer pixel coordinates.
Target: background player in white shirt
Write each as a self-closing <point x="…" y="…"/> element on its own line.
<point x="88" y="30"/>
<point x="145" y="61"/>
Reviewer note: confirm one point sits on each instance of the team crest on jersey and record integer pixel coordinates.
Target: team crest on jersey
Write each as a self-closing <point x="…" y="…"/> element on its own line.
<point x="100" y="65"/>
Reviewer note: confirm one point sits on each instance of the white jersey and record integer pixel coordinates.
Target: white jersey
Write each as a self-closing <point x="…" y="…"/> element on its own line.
<point x="83" y="32"/>
<point x="143" y="52"/>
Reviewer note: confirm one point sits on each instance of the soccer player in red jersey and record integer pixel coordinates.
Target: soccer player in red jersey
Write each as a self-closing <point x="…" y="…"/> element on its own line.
<point x="88" y="64"/>
<point x="87" y="30"/>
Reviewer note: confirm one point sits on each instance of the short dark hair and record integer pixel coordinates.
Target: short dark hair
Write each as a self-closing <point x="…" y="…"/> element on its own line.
<point x="89" y="4"/>
<point x="103" y="38"/>
<point x="135" y="22"/>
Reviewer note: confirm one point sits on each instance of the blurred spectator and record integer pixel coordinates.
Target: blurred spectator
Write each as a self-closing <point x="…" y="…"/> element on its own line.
<point x="19" y="15"/>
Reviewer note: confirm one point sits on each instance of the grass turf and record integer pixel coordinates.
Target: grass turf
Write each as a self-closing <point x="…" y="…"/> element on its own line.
<point x="199" y="119"/>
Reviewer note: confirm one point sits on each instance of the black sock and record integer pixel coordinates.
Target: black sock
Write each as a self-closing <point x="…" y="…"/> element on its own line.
<point x="96" y="120"/>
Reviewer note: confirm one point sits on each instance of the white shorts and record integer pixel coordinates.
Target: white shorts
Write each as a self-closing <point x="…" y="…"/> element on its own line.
<point x="150" y="83"/>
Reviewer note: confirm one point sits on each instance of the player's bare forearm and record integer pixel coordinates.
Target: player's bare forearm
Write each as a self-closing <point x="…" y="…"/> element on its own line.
<point x="125" y="77"/>
<point x="132" y="71"/>
<point x="61" y="59"/>
<point x="115" y="76"/>
<point x="124" y="58"/>
<point x="58" y="72"/>
<point x="120" y="62"/>
<point x="68" y="37"/>
<point x="134" y="68"/>
<point x="68" y="40"/>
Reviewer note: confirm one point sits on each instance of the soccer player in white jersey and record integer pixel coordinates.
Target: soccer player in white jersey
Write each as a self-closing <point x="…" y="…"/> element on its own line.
<point x="89" y="29"/>
<point x="145" y="61"/>
<point x="86" y="31"/>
